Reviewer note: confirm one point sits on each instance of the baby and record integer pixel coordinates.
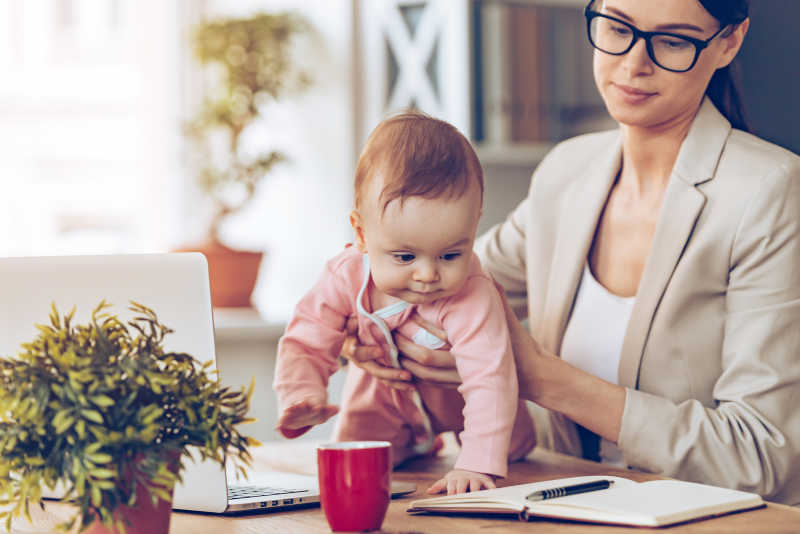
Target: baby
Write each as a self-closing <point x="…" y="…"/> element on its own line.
<point x="418" y="198"/>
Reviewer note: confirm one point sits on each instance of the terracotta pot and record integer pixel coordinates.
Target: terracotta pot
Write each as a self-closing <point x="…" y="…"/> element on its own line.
<point x="143" y="518"/>
<point x="233" y="274"/>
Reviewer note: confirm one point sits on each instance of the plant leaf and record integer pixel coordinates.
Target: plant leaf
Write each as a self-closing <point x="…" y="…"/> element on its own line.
<point x="92" y="415"/>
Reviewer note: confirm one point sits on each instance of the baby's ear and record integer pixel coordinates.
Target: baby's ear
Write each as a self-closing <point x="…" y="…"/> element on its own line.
<point x="358" y="229"/>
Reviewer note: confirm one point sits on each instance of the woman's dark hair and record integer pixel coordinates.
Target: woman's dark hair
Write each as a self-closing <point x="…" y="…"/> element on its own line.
<point x="723" y="89"/>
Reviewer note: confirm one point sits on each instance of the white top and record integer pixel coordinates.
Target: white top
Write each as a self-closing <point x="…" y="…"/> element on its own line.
<point x="593" y="339"/>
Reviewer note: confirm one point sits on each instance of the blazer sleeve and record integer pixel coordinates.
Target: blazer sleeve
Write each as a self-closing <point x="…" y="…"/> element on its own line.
<point x="504" y="248"/>
<point x="502" y="253"/>
<point x="750" y="438"/>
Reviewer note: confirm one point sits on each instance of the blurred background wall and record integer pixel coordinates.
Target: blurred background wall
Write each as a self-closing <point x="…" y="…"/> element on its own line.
<point x="770" y="71"/>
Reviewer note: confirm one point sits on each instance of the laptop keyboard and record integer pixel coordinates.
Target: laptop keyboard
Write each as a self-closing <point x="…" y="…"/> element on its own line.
<point x="249" y="492"/>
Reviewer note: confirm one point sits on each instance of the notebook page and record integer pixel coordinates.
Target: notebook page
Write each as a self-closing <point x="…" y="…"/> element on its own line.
<point x="657" y="502"/>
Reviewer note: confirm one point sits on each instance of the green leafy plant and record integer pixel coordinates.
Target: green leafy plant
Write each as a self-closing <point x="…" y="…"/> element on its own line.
<point x="252" y="60"/>
<point x="101" y="407"/>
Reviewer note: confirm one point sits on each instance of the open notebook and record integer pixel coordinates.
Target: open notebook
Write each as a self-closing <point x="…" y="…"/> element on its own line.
<point x="654" y="503"/>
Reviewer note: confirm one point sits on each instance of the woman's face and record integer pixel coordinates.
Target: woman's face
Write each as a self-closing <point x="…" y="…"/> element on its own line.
<point x="639" y="93"/>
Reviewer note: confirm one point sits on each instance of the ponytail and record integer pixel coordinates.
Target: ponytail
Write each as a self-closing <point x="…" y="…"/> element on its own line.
<point x="723" y="90"/>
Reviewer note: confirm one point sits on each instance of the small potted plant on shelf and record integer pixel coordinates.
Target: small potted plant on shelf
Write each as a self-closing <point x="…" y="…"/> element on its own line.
<point x="102" y="410"/>
<point x="251" y="58"/>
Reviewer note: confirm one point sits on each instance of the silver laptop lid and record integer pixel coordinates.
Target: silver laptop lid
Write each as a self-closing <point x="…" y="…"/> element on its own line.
<point x="174" y="285"/>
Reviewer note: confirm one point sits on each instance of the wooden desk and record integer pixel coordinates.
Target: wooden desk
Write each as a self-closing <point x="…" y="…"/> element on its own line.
<point x="775" y="518"/>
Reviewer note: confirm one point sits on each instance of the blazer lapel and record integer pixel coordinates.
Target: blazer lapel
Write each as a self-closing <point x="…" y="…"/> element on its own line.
<point x="584" y="202"/>
<point x="682" y="205"/>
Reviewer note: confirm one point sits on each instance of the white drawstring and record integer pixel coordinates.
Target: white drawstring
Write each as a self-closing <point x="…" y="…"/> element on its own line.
<point x="427" y="445"/>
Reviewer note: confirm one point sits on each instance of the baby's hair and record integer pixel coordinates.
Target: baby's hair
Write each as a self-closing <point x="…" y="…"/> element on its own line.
<point x="418" y="156"/>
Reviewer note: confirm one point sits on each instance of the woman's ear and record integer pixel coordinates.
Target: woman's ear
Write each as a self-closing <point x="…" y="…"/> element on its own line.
<point x="358" y="230"/>
<point x="733" y="42"/>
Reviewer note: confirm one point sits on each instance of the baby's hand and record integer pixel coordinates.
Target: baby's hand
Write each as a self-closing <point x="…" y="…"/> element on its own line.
<point x="300" y="416"/>
<point x="460" y="481"/>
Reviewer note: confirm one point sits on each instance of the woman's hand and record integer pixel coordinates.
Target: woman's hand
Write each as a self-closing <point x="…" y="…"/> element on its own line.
<point x="433" y="366"/>
<point x="366" y="356"/>
<point x="437" y="367"/>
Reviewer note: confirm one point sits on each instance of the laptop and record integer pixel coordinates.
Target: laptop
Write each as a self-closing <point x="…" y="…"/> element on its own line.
<point x="176" y="287"/>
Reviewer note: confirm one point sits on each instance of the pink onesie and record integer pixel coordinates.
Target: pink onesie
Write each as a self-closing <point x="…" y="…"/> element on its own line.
<point x="494" y="426"/>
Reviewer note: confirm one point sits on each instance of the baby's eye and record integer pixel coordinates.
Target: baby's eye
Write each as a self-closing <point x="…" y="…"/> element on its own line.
<point x="450" y="256"/>
<point x="403" y="257"/>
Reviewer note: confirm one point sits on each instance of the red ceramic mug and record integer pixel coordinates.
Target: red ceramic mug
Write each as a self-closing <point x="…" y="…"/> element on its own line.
<point x="355" y="483"/>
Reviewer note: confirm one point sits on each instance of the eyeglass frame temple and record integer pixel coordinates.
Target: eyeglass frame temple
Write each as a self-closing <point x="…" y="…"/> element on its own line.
<point x="699" y="44"/>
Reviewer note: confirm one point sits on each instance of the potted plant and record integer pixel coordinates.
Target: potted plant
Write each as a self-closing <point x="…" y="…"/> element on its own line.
<point x="103" y="410"/>
<point x="251" y="60"/>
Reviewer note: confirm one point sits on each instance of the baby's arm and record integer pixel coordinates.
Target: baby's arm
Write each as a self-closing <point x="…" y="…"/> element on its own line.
<point x="461" y="481"/>
<point x="308" y="354"/>
<point x="476" y="326"/>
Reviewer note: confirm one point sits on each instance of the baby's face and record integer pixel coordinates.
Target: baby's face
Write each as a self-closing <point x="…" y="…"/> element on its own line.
<point x="419" y="249"/>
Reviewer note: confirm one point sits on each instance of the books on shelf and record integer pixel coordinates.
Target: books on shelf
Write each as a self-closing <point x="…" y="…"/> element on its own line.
<point x="653" y="503"/>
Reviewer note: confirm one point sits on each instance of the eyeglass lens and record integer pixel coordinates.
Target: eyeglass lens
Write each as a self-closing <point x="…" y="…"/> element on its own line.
<point x="668" y="51"/>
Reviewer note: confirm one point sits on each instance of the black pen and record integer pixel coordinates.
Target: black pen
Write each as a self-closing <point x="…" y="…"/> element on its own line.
<point x="569" y="490"/>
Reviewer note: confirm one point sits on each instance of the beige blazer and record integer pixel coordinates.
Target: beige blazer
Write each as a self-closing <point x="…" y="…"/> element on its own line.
<point x="711" y="357"/>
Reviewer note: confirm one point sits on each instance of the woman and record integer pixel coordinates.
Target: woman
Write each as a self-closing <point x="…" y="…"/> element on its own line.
<point x="660" y="265"/>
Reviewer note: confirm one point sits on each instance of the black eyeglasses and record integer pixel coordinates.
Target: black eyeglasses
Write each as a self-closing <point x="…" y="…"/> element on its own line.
<point x="670" y="51"/>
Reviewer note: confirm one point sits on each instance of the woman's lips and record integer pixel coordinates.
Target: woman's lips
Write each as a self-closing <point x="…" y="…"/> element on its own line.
<point x="632" y="95"/>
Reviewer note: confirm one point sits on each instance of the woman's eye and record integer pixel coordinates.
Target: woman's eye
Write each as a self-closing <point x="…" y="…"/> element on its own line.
<point x="450" y="256"/>
<point x="403" y="258"/>
<point x="676" y="44"/>
<point x="620" y="30"/>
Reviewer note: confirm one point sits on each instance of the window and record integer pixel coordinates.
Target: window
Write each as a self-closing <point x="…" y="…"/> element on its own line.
<point x="88" y="125"/>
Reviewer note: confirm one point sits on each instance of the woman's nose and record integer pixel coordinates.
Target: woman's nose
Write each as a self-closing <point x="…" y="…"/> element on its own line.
<point x="638" y="59"/>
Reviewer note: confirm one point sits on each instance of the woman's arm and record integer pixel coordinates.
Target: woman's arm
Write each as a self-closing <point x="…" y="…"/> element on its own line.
<point x="552" y="383"/>
<point x="543" y="378"/>
<point x="502" y="253"/>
